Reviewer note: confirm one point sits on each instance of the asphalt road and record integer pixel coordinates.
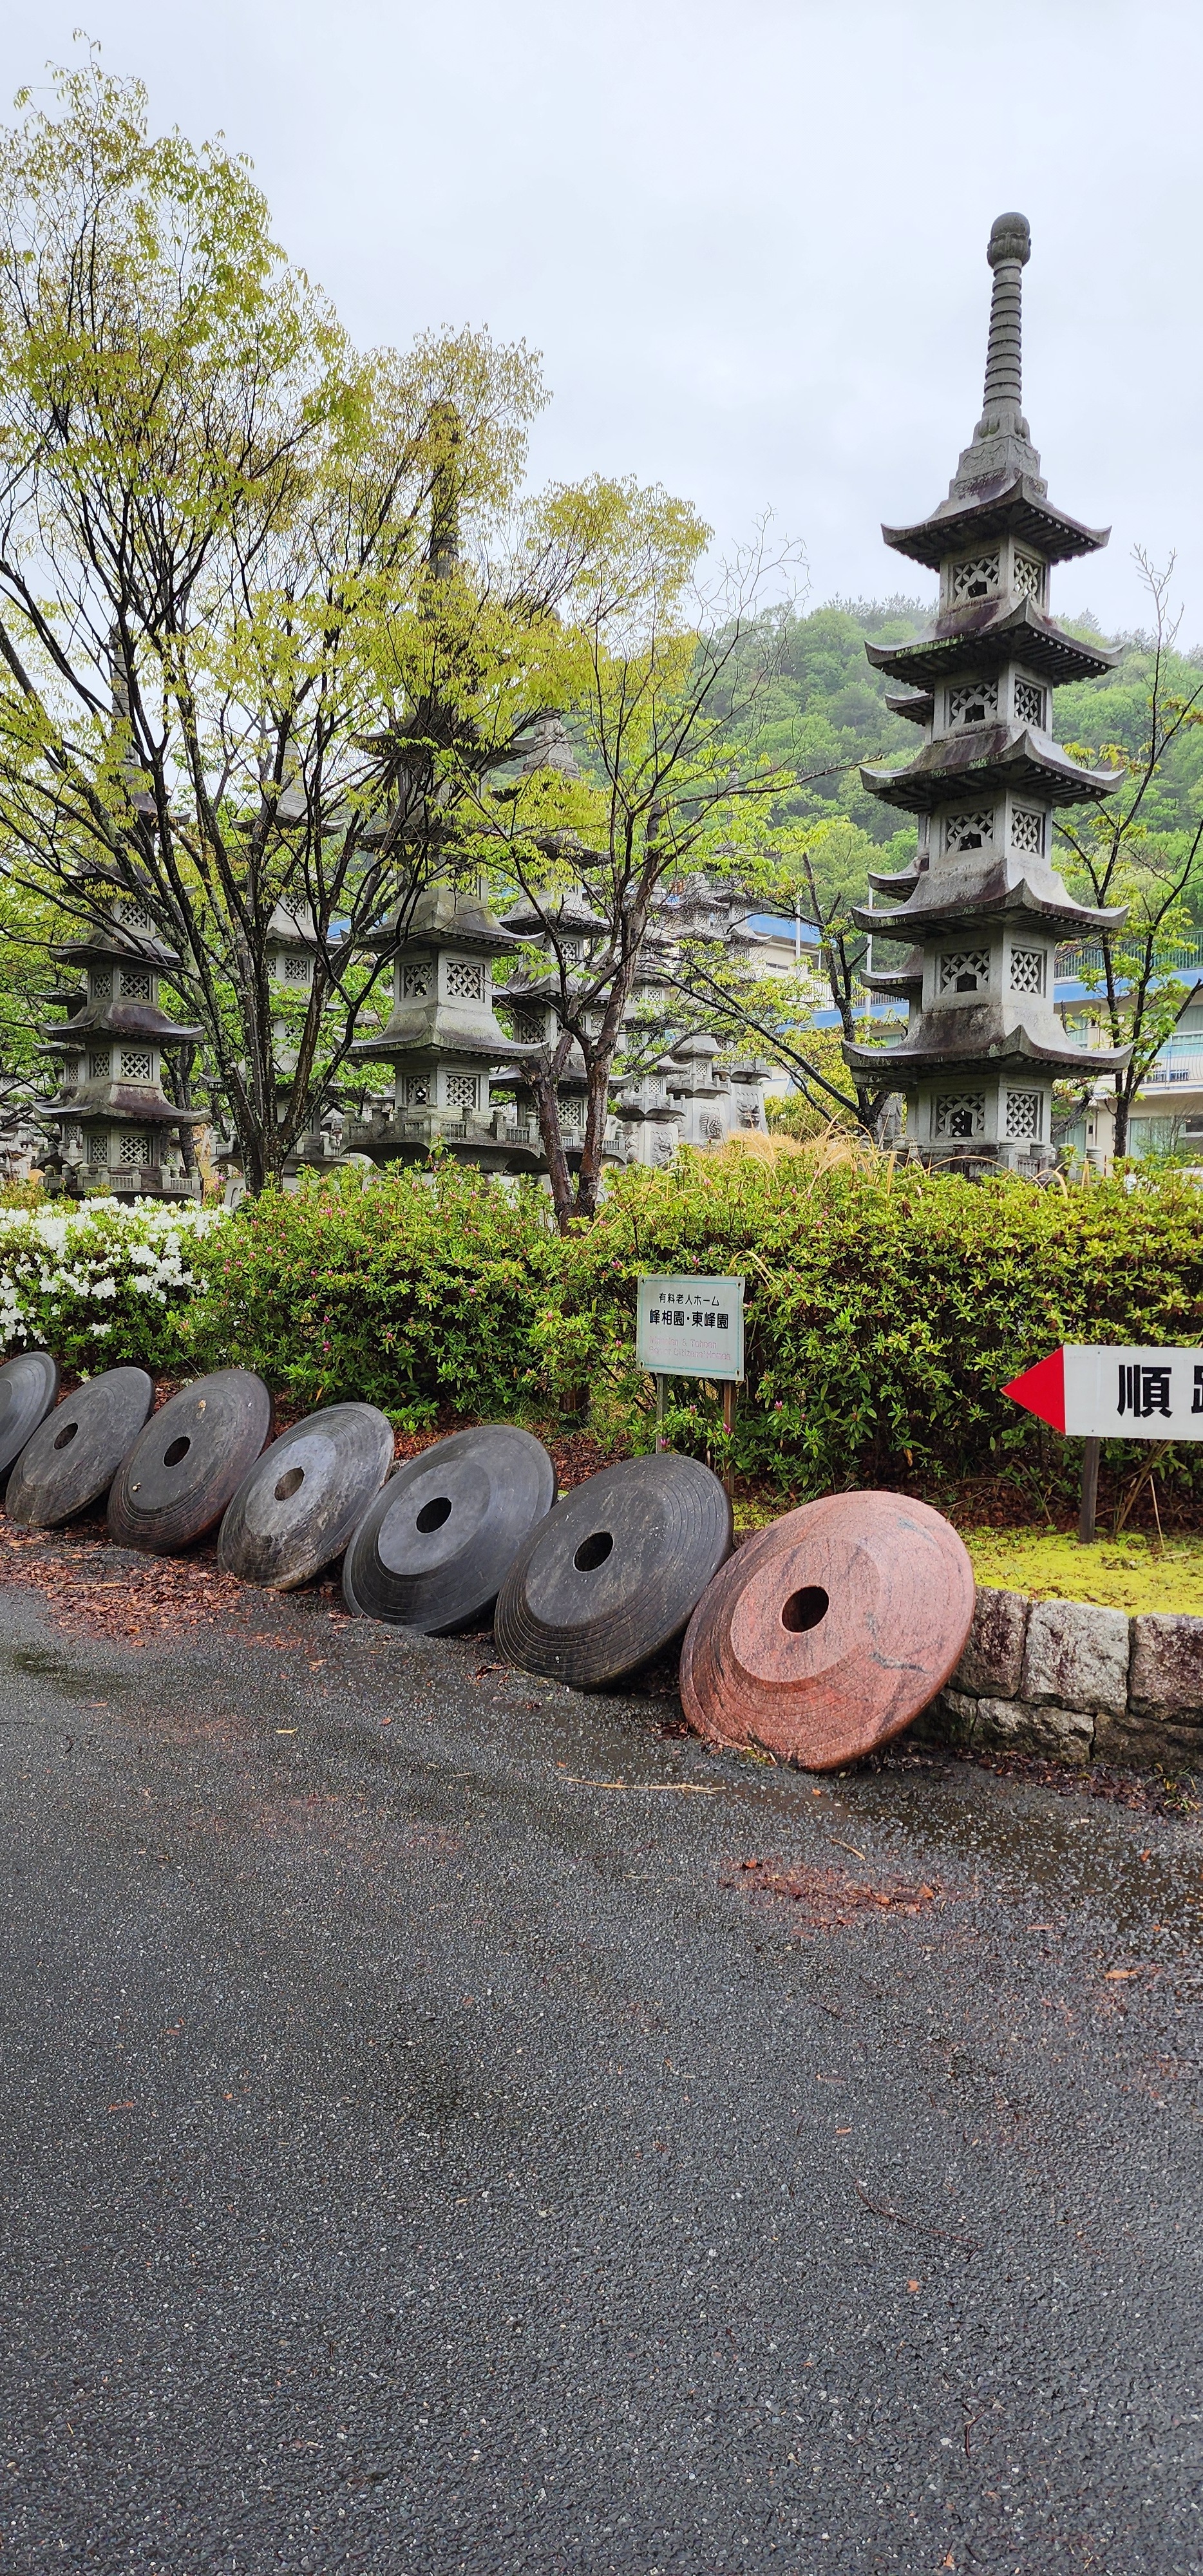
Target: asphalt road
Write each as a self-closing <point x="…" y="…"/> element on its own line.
<point x="427" y="2147"/>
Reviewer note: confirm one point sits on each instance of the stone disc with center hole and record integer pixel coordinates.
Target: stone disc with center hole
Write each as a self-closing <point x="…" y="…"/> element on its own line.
<point x="76" y="1452"/>
<point x="829" y="1631"/>
<point x="189" y="1462"/>
<point x="305" y="1496"/>
<point x="433" y="1549"/>
<point x="28" y="1387"/>
<point x="614" y="1573"/>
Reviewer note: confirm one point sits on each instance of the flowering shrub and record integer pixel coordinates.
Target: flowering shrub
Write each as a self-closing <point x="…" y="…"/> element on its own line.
<point x="98" y="1285"/>
<point x="886" y="1309"/>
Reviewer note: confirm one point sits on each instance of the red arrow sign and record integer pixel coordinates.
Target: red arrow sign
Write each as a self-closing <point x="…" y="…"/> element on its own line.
<point x="1042" y="1389"/>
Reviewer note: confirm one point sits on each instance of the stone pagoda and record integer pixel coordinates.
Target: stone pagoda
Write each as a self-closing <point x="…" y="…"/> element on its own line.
<point x="982" y="908"/>
<point x="444" y="1039"/>
<point x="118" y="1132"/>
<point x="564" y="930"/>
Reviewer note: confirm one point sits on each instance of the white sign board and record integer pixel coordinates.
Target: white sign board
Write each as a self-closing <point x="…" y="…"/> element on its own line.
<point x="1115" y="1392"/>
<point x="691" y="1327"/>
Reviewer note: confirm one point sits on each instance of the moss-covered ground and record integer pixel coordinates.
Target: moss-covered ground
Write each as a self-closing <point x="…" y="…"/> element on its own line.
<point x="1133" y="1572"/>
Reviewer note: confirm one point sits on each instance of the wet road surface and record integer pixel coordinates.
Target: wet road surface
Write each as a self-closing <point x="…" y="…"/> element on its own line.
<point x="429" y="2146"/>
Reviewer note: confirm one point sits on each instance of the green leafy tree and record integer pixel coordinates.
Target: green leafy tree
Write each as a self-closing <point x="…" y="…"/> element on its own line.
<point x="1139" y="851"/>
<point x="218" y="526"/>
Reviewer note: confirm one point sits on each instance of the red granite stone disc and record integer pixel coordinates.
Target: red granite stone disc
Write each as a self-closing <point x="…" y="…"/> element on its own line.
<point x="826" y="1634"/>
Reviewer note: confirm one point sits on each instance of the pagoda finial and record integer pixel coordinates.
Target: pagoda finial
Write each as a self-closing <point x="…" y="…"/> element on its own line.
<point x="1001" y="444"/>
<point x="1009" y="249"/>
<point x="446" y="432"/>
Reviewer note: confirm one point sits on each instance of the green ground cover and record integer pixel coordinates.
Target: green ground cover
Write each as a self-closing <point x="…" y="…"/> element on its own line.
<point x="1132" y="1572"/>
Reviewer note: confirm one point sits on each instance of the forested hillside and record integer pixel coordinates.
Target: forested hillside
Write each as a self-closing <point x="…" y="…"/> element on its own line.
<point x="825" y="707"/>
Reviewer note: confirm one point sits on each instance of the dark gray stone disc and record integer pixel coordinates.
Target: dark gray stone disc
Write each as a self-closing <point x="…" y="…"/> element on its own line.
<point x="28" y="1387"/>
<point x="76" y="1452"/>
<point x="615" y="1571"/>
<point x="176" y="1481"/>
<point x="433" y="1549"/>
<point x="305" y="1496"/>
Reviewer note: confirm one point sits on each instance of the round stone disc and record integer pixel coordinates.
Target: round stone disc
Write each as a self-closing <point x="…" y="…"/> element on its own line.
<point x="76" y="1452"/>
<point x="189" y="1462"/>
<point x="830" y="1630"/>
<point x="28" y="1387"/>
<point x="434" y="1548"/>
<point x="614" y="1573"/>
<point x="305" y="1496"/>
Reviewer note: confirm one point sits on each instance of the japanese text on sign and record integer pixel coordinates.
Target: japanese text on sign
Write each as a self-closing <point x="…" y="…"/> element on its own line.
<point x="1134" y="1394"/>
<point x="691" y="1327"/>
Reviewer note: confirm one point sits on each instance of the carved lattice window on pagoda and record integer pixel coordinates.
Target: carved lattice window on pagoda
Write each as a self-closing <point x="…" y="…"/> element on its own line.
<point x="415" y="980"/>
<point x="136" y="987"/>
<point x="134" y="916"/>
<point x="465" y="981"/>
<point x="100" y="984"/>
<point x="966" y="970"/>
<point x="977" y="578"/>
<point x="974" y="704"/>
<point x="528" y="1027"/>
<point x="960" y="1113"/>
<point x="136" y="1065"/>
<point x="136" y="1147"/>
<point x="297" y="969"/>
<point x="1029" y="577"/>
<point x="969" y="831"/>
<point x="1027" y="970"/>
<point x="417" y="1091"/>
<point x="99" y="1063"/>
<point x="1023" y="1115"/>
<point x="98" y="1146"/>
<point x="1029" y="704"/>
<point x="462" y="1090"/>
<point x="1027" y="831"/>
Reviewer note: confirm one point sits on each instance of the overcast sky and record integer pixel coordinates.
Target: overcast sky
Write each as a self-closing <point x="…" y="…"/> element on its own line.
<point x="748" y="240"/>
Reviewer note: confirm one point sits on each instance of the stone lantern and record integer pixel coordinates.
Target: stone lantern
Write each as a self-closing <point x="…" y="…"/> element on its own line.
<point x="980" y="911"/>
<point x="444" y="1039"/>
<point x="118" y="1133"/>
<point x="564" y="928"/>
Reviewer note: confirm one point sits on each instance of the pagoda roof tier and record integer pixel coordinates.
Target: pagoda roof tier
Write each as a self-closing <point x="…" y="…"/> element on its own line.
<point x="1005" y="505"/>
<point x="984" y="760"/>
<point x="520" y="989"/>
<point x="565" y="912"/>
<point x="441" y="1041"/>
<point x="985" y="1036"/>
<point x="987" y="887"/>
<point x="444" y="919"/>
<point x="104" y="1100"/>
<point x="918" y="710"/>
<point x="895" y="979"/>
<point x="120" y="947"/>
<point x="898" y="881"/>
<point x="122" y="1020"/>
<point x="985" y="634"/>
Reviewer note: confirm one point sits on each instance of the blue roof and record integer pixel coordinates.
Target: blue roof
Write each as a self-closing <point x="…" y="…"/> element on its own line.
<point x="776" y="926"/>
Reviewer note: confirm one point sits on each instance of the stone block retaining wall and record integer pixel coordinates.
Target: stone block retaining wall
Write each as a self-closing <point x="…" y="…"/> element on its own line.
<point x="1082" y="1683"/>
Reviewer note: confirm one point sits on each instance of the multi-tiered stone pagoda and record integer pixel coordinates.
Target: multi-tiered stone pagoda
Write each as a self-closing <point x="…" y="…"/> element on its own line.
<point x="117" y="1129"/>
<point x="982" y="907"/>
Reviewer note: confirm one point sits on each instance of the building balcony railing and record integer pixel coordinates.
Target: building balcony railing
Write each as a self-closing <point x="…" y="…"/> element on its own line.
<point x="1082" y="957"/>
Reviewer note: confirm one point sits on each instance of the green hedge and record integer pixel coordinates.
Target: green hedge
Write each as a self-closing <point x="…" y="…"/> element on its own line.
<point x="886" y="1309"/>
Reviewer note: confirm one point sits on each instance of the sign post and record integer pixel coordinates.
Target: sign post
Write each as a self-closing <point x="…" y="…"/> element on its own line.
<point x="1113" y="1391"/>
<point x="690" y="1327"/>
